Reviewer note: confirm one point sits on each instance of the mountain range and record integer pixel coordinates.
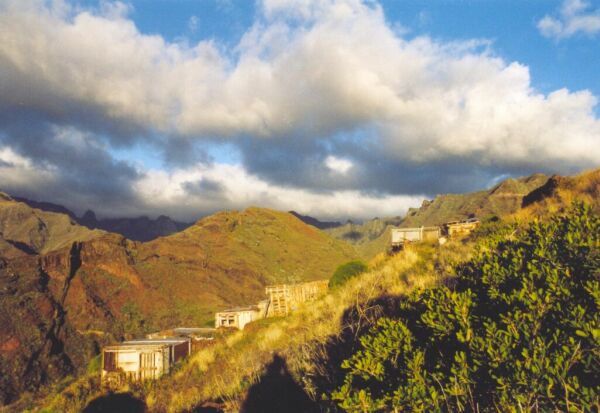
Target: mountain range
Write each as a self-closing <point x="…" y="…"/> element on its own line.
<point x="137" y="229"/>
<point x="66" y="290"/>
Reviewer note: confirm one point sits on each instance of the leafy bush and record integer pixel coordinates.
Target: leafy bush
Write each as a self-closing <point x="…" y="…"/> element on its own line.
<point x="346" y="271"/>
<point x="94" y="364"/>
<point x="519" y="331"/>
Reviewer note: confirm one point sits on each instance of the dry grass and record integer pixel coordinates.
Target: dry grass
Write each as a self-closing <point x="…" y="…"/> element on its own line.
<point x="225" y="371"/>
<point x="584" y="187"/>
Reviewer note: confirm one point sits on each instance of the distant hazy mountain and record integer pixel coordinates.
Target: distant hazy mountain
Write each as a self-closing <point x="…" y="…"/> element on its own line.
<point x="367" y="237"/>
<point x="136" y="229"/>
<point x="315" y="222"/>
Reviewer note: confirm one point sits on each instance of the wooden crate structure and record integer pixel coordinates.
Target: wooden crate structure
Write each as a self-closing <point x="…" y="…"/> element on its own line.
<point x="285" y="298"/>
<point x="457" y="228"/>
<point x="403" y="235"/>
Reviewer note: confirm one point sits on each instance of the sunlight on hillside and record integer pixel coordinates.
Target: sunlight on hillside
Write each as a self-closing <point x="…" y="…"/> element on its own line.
<point x="228" y="369"/>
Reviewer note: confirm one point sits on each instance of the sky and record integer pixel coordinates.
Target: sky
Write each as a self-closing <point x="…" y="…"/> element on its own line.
<point x="333" y="108"/>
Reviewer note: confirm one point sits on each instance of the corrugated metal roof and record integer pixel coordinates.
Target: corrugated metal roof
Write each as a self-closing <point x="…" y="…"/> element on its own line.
<point x="238" y="309"/>
<point x="191" y="330"/>
<point x="169" y="340"/>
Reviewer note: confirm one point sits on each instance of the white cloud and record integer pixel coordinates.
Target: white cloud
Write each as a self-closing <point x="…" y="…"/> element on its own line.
<point x="239" y="189"/>
<point x="338" y="165"/>
<point x="574" y="16"/>
<point x="343" y="68"/>
<point x="19" y="173"/>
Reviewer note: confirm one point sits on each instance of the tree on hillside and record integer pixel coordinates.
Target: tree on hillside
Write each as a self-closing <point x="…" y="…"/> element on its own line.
<point x="346" y="271"/>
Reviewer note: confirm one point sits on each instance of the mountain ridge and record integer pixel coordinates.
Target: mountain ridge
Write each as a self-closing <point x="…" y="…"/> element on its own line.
<point x="73" y="283"/>
<point x="140" y="228"/>
<point x="501" y="199"/>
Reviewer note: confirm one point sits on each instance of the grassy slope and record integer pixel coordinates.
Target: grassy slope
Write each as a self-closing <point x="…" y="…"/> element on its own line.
<point x="228" y="258"/>
<point x="560" y="192"/>
<point x="224" y="372"/>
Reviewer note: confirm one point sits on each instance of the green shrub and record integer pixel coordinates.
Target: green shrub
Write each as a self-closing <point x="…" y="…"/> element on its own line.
<point x="519" y="331"/>
<point x="346" y="271"/>
<point x="94" y="365"/>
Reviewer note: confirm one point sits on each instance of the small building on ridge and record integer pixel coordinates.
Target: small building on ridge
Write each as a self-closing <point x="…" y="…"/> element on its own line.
<point x="143" y="359"/>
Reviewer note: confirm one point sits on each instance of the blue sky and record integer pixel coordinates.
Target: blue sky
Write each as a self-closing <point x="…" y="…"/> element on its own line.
<point x="336" y="108"/>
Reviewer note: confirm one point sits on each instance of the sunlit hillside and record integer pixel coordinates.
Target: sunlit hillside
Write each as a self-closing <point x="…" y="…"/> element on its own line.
<point x="67" y="290"/>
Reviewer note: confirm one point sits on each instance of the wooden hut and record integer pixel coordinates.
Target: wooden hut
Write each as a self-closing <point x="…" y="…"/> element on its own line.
<point x="400" y="236"/>
<point x="144" y="359"/>
<point x="238" y="317"/>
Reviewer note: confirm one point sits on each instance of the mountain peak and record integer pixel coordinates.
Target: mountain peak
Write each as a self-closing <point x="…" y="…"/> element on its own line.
<point x="315" y="222"/>
<point x="89" y="218"/>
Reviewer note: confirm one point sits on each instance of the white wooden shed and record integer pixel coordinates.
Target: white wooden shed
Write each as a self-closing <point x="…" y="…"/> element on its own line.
<point x="402" y="235"/>
<point x="144" y="359"/>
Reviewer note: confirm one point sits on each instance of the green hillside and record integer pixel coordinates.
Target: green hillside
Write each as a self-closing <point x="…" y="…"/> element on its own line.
<point x="341" y="352"/>
<point x="334" y="353"/>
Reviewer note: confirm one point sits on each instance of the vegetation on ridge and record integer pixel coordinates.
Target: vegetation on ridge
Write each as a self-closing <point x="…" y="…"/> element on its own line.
<point x="517" y="331"/>
<point x="346" y="271"/>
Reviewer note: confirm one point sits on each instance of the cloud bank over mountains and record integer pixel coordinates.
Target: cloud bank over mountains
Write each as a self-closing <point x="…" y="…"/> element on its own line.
<point x="331" y="110"/>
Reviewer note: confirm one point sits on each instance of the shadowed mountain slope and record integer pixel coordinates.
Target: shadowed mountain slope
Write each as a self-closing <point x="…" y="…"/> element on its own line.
<point x="315" y="222"/>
